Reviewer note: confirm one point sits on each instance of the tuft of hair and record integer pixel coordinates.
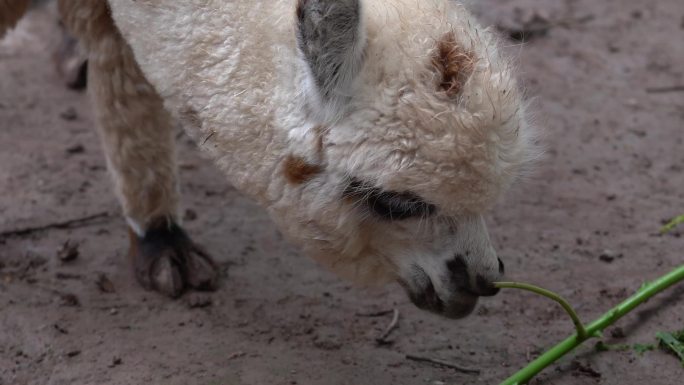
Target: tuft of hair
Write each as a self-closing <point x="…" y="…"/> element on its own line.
<point x="453" y="63"/>
<point x="298" y="170"/>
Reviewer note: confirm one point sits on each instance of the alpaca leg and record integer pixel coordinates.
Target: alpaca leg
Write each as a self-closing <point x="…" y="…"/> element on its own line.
<point x="136" y="132"/>
<point x="10" y="13"/>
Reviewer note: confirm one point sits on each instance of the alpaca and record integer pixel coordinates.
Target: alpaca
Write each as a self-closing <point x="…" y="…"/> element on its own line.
<point x="375" y="132"/>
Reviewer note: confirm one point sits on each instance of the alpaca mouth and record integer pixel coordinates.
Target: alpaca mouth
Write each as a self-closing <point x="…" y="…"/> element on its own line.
<point x="421" y="290"/>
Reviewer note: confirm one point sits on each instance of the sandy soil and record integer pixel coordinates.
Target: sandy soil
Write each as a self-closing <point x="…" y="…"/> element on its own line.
<point x="614" y="170"/>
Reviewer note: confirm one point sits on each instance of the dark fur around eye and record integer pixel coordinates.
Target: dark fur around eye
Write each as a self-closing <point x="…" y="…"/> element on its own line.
<point x="389" y="205"/>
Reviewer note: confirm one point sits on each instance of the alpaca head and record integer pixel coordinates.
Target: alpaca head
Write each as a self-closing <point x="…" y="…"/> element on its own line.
<point x="412" y="127"/>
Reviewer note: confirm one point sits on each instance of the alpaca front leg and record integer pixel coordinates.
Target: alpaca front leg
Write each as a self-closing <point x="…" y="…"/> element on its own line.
<point x="136" y="132"/>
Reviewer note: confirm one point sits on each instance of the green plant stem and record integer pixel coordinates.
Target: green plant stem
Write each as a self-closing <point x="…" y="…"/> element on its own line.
<point x="581" y="331"/>
<point x="596" y="327"/>
<point x="672" y="224"/>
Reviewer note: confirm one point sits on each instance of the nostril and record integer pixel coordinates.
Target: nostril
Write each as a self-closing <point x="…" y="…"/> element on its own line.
<point x="501" y="267"/>
<point x="486" y="288"/>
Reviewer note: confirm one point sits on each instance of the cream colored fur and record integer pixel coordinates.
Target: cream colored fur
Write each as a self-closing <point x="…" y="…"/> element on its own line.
<point x="231" y="72"/>
<point x="235" y="63"/>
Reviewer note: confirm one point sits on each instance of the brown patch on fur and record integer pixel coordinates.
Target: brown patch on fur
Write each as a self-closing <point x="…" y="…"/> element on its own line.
<point x="453" y="63"/>
<point x="10" y="13"/>
<point x="297" y="170"/>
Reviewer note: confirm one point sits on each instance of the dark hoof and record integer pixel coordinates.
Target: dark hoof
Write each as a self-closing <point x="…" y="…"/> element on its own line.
<point x="168" y="261"/>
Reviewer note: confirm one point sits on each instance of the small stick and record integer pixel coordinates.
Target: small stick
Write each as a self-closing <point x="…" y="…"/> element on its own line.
<point x="660" y="90"/>
<point x="393" y="325"/>
<point x="375" y="313"/>
<point x="443" y="363"/>
<point x="207" y="138"/>
<point x="57" y="225"/>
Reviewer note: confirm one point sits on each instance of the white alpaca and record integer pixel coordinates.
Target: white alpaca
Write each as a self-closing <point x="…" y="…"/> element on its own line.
<point x="376" y="132"/>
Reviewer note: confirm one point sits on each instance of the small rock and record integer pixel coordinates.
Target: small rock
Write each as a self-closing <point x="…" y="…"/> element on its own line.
<point x="69" y="251"/>
<point x="69" y="300"/>
<point x="73" y="353"/>
<point x="65" y="276"/>
<point x="617" y="332"/>
<point x="609" y="256"/>
<point x="105" y="284"/>
<point x="116" y="361"/>
<point x="35" y="261"/>
<point x="236" y="355"/>
<point x="69" y="114"/>
<point x="528" y="26"/>
<point x="190" y="215"/>
<point x="75" y="149"/>
<point x="584" y="370"/>
<point x="198" y="300"/>
<point x="328" y="344"/>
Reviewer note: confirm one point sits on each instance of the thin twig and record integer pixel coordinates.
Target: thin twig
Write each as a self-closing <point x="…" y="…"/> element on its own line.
<point x="390" y="328"/>
<point x="375" y="313"/>
<point x="661" y="90"/>
<point x="571" y="21"/>
<point x="71" y="223"/>
<point x="208" y="137"/>
<point x="443" y="363"/>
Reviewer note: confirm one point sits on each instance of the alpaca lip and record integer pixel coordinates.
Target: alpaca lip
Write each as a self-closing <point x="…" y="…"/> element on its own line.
<point x="423" y="294"/>
<point x="460" y="305"/>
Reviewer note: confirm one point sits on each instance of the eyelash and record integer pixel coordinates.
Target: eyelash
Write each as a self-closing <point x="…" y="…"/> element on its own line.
<point x="389" y="205"/>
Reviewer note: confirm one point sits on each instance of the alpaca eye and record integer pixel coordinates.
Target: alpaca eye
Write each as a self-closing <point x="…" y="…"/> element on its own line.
<point x="389" y="205"/>
<point x="396" y="206"/>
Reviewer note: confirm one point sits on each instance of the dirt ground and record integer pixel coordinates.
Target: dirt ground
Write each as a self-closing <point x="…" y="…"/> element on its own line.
<point x="585" y="225"/>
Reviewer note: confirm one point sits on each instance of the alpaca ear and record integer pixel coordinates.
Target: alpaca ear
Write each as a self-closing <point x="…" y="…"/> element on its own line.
<point x="331" y="39"/>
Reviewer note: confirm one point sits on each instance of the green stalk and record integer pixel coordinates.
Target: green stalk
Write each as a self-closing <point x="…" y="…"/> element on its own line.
<point x="581" y="331"/>
<point x="672" y="224"/>
<point x="596" y="327"/>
